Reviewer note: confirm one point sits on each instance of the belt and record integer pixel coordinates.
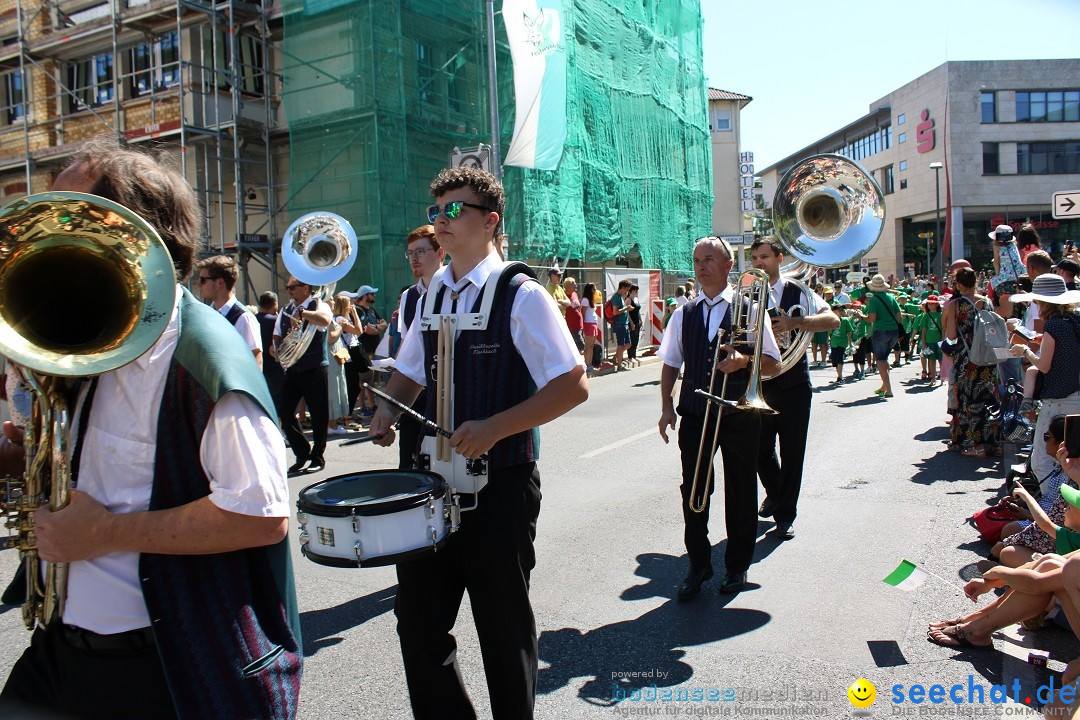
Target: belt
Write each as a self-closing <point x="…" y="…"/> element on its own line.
<point x="131" y="641"/>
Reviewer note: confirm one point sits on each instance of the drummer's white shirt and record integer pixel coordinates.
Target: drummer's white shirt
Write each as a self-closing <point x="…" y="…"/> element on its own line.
<point x="537" y="328"/>
<point x="242" y="453"/>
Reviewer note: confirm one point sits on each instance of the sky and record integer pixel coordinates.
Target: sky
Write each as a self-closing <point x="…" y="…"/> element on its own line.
<point x="862" y="51"/>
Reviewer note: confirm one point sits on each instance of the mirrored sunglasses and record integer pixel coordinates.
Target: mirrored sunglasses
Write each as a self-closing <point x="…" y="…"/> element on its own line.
<point x="452" y="209"/>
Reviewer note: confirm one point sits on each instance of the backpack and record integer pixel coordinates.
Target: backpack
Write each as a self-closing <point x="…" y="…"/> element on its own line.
<point x="609" y="311"/>
<point x="988" y="334"/>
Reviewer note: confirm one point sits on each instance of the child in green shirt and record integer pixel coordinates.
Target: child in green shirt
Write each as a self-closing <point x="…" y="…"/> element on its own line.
<point x="930" y="333"/>
<point x="839" y="342"/>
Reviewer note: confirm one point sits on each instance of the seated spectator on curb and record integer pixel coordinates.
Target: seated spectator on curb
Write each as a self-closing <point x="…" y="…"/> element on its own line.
<point x="1031" y="586"/>
<point x="1023" y="538"/>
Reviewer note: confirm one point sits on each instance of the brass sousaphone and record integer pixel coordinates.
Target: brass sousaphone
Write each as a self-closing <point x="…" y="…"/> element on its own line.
<point x="86" y="286"/>
<point x="827" y="212"/>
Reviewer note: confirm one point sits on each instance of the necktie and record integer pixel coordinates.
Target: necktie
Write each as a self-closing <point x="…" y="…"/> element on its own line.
<point x="708" y="316"/>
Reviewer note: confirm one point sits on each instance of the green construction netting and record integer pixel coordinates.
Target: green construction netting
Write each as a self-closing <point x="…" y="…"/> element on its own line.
<point x="377" y="93"/>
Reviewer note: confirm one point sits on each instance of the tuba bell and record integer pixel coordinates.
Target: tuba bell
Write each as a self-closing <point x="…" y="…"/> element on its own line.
<point x="828" y="212"/>
<point x="54" y="247"/>
<point x="318" y="249"/>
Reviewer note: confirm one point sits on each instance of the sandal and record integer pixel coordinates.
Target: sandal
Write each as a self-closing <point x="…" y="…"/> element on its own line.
<point x="1035" y="623"/>
<point x="974" y="452"/>
<point x="954" y="637"/>
<point x="942" y="624"/>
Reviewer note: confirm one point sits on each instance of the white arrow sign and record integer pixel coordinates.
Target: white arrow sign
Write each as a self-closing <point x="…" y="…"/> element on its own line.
<point x="1066" y="204"/>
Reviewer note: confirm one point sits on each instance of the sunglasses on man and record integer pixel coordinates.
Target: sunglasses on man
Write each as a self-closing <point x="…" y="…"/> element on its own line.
<point x="452" y="209"/>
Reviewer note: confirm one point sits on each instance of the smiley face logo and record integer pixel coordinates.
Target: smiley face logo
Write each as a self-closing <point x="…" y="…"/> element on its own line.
<point x="862" y="693"/>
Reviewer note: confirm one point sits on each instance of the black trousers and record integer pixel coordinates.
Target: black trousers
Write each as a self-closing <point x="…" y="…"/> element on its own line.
<point x="52" y="676"/>
<point x="358" y="363"/>
<point x="409" y="433"/>
<point x="635" y="338"/>
<point x="738" y="443"/>
<point x="310" y="385"/>
<point x="490" y="556"/>
<point x="782" y="479"/>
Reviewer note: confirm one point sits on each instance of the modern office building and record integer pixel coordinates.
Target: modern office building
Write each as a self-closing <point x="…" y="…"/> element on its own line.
<point x="965" y="147"/>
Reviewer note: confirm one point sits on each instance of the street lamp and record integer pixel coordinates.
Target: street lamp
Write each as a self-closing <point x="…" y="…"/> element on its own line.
<point x="936" y="167"/>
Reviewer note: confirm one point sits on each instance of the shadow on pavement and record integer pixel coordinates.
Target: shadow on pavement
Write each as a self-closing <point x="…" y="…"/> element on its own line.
<point x="947" y="466"/>
<point x="323" y="628"/>
<point x="646" y="651"/>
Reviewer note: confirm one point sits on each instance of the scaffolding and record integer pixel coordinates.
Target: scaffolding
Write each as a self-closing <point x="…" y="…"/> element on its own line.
<point x="191" y="77"/>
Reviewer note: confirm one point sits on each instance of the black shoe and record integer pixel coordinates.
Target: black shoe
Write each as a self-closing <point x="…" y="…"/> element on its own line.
<point x="691" y="585"/>
<point x="784" y="531"/>
<point x="767" y="508"/>
<point x="733" y="582"/>
<point x="317" y="465"/>
<point x="297" y="467"/>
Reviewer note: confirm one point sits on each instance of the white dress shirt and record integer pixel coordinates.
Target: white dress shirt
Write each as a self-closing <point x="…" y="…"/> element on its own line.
<point x="537" y="328"/>
<point x="776" y="292"/>
<point x="247" y="325"/>
<point x="241" y="452"/>
<point x="671" y="350"/>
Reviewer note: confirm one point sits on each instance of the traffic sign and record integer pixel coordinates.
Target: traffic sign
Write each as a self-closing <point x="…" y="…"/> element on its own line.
<point x="1066" y="204"/>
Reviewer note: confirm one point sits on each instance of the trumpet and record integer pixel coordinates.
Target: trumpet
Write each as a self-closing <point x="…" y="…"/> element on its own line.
<point x="92" y="247"/>
<point x="745" y="300"/>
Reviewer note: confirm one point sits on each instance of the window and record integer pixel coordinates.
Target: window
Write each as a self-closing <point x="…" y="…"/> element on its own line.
<point x="1048" y="106"/>
<point x="14" y="107"/>
<point x="989" y="107"/>
<point x="90" y="82"/>
<point x="425" y="72"/>
<point x="990" y="158"/>
<point x="155" y="66"/>
<point x="720" y="121"/>
<point x="901" y="138"/>
<point x="903" y="184"/>
<point x="249" y="68"/>
<point x="867" y="145"/>
<point x="901" y="119"/>
<point x="903" y="165"/>
<point x="1048" y="158"/>
<point x="887" y="184"/>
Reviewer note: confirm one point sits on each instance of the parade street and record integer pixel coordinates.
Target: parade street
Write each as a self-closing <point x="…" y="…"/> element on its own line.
<point x="879" y="487"/>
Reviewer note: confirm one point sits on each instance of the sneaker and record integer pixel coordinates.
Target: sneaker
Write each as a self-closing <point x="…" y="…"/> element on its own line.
<point x="366" y="412"/>
<point x="337" y="430"/>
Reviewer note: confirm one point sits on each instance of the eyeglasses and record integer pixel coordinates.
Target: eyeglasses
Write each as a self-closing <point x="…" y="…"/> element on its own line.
<point x="417" y="254"/>
<point x="293" y="287"/>
<point x="452" y="209"/>
<point x="205" y="278"/>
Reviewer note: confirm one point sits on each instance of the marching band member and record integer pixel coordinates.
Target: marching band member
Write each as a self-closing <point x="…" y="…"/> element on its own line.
<point x="690" y="340"/>
<point x="789" y="394"/>
<point x="522" y="371"/>
<point x="425" y="256"/>
<point x="180" y="599"/>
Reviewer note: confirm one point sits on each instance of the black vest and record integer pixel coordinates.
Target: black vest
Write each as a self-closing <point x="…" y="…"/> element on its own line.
<point x="698" y="354"/>
<point x="412" y="296"/>
<point x="315" y="355"/>
<point x="799" y="373"/>
<point x="489" y="374"/>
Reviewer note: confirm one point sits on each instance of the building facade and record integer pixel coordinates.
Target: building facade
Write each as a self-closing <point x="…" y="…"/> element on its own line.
<point x="725" y="125"/>
<point x="959" y="150"/>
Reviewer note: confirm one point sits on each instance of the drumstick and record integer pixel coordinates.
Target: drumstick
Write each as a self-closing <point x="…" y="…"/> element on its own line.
<point x="405" y="408"/>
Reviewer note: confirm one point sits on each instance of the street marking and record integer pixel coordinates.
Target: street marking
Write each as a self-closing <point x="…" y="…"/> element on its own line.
<point x="620" y="443"/>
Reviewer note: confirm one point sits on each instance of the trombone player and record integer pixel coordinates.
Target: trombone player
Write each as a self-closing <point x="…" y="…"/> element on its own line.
<point x="691" y="342"/>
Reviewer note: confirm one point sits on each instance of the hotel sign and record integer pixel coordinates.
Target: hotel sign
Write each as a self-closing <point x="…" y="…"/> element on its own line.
<point x="746" y="181"/>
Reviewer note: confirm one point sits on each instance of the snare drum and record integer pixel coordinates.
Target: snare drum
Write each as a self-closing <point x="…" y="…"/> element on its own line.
<point x="373" y="518"/>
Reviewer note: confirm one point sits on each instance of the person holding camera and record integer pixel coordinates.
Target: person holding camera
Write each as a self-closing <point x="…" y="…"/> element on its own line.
<point x="1058" y="359"/>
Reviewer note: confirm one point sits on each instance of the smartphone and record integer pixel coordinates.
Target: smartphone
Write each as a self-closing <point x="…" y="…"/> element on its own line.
<point x="1025" y="333"/>
<point x="1072" y="435"/>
